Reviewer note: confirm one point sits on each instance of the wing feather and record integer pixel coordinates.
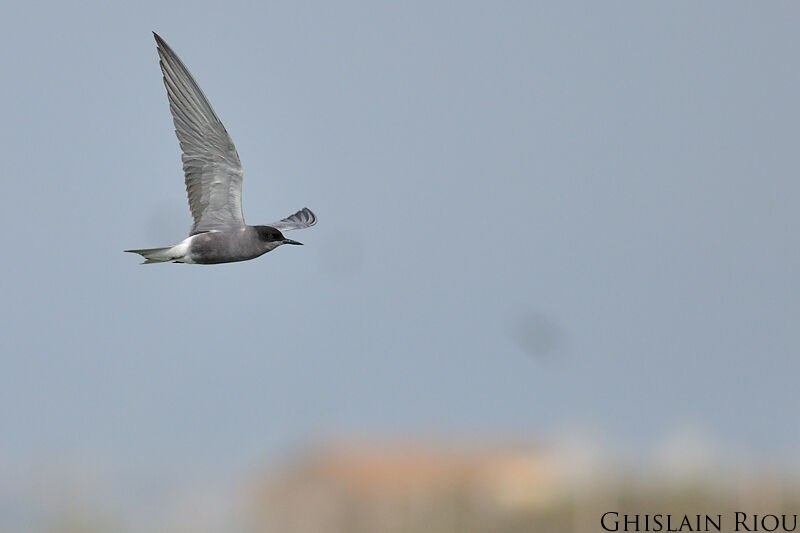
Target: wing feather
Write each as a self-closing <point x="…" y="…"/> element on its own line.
<point x="211" y="166"/>
<point x="304" y="218"/>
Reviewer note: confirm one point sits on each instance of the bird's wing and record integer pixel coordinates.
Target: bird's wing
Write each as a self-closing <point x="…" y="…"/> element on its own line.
<point x="302" y="219"/>
<point x="210" y="162"/>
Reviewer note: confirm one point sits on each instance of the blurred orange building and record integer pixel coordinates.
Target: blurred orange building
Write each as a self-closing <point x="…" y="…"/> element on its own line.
<point x="406" y="489"/>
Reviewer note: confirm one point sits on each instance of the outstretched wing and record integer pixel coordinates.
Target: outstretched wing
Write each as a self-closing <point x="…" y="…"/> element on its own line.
<point x="302" y="219"/>
<point x="210" y="162"/>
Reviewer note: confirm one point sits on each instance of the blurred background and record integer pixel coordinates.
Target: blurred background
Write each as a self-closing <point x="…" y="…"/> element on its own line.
<point x="555" y="270"/>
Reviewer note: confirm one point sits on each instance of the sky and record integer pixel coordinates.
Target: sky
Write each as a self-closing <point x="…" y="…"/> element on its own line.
<point x="532" y="216"/>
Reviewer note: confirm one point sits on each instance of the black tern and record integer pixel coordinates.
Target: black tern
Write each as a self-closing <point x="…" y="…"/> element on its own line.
<point x="213" y="176"/>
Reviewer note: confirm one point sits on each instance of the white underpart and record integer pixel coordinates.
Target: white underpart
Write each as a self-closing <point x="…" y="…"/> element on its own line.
<point x="180" y="251"/>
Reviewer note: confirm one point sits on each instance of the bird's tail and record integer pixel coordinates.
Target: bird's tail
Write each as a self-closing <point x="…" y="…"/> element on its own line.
<point x="155" y="255"/>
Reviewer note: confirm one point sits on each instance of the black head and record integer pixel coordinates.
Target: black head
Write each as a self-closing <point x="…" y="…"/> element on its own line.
<point x="270" y="234"/>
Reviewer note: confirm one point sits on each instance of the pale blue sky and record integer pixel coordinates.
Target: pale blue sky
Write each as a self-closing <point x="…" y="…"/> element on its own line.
<point x="530" y="216"/>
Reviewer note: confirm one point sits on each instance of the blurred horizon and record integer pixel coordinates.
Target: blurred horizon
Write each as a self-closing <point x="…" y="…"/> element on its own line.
<point x="413" y="483"/>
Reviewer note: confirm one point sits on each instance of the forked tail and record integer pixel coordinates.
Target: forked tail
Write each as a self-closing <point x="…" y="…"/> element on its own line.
<point x="155" y="255"/>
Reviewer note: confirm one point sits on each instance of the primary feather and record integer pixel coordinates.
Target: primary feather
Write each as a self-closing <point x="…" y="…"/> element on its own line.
<point x="304" y="218"/>
<point x="211" y="166"/>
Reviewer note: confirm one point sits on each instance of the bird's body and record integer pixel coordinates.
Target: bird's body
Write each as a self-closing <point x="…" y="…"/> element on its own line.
<point x="218" y="246"/>
<point x="213" y="176"/>
<point x="228" y="246"/>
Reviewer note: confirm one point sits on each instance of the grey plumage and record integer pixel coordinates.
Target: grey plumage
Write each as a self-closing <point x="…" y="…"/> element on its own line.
<point x="210" y="161"/>
<point x="213" y="177"/>
<point x="302" y="219"/>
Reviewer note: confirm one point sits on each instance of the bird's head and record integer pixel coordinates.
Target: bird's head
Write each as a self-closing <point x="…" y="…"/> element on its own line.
<point x="273" y="235"/>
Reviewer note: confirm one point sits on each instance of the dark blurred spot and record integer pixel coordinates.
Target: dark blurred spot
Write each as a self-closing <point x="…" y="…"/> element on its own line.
<point x="536" y="334"/>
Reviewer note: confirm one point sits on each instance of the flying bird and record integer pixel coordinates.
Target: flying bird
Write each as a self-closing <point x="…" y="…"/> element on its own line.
<point x="213" y="176"/>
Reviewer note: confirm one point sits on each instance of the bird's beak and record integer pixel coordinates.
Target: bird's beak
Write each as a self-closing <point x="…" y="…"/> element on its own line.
<point x="290" y="241"/>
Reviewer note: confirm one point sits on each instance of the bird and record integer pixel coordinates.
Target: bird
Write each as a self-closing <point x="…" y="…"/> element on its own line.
<point x="213" y="176"/>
